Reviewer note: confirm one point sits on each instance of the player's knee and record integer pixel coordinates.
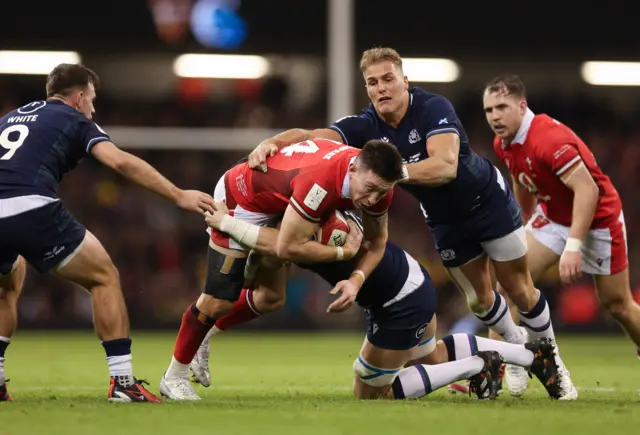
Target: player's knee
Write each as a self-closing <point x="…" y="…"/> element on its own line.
<point x="618" y="306"/>
<point x="212" y="307"/>
<point x="373" y="376"/>
<point x="11" y="283"/>
<point x="104" y="275"/>
<point x="268" y="300"/>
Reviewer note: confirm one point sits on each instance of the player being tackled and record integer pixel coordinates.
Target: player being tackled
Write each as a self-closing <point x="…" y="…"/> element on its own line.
<point x="307" y="182"/>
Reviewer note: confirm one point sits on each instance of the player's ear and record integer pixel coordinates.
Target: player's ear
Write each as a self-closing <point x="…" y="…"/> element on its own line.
<point x="406" y="83"/>
<point x="74" y="100"/>
<point x="353" y="168"/>
<point x="523" y="106"/>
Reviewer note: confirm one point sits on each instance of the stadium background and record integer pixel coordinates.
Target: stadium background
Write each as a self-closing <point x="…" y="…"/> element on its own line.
<point x="193" y="128"/>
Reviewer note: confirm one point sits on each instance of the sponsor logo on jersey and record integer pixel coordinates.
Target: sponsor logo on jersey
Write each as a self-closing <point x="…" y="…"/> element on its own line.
<point x="314" y="197"/>
<point x="447" y="254"/>
<point x="32" y="107"/>
<point x="414" y="136"/>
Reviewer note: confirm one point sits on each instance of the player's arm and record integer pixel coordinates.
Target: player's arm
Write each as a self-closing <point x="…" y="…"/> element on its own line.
<point x="296" y="135"/>
<point x="142" y="173"/>
<point x="375" y="234"/>
<point x="269" y="147"/>
<point x="254" y="237"/>
<point x="443" y="145"/>
<point x="442" y="165"/>
<point x="525" y="199"/>
<point x="350" y="130"/>
<point x="375" y="237"/>
<point x="264" y="240"/>
<point x="585" y="199"/>
<point x="294" y="242"/>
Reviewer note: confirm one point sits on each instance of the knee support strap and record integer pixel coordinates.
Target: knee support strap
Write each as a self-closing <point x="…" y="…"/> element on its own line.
<point x="374" y="376"/>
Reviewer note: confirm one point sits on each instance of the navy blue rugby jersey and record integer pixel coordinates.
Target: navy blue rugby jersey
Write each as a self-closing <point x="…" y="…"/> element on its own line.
<point x="39" y="143"/>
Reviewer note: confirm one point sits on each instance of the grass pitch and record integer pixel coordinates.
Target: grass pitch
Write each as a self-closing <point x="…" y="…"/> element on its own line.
<point x="297" y="384"/>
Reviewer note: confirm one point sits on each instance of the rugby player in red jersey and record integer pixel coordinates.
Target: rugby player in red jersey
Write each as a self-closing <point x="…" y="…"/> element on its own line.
<point x="306" y="182"/>
<point x="574" y="212"/>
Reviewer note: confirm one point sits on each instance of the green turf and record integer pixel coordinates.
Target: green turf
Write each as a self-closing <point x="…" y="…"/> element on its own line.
<point x="297" y="384"/>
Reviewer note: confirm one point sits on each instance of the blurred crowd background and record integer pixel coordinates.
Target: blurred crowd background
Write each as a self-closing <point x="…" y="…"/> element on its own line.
<point x="160" y="250"/>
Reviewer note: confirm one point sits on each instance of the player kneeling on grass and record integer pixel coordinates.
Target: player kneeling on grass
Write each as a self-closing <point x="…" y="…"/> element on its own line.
<point x="306" y="182"/>
<point x="400" y="357"/>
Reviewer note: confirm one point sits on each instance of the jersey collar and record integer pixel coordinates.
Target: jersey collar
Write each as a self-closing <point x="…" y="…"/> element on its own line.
<point x="409" y="106"/>
<point x="346" y="182"/>
<point x="521" y="136"/>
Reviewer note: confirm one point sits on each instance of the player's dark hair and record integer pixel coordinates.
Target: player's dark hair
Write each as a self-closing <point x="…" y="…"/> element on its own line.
<point x="383" y="159"/>
<point x="509" y="83"/>
<point x="67" y="76"/>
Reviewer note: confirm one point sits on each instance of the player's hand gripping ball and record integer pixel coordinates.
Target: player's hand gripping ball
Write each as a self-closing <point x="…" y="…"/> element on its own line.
<point x="334" y="231"/>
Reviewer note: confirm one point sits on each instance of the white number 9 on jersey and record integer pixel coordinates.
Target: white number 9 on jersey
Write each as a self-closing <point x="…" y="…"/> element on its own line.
<point x="13" y="145"/>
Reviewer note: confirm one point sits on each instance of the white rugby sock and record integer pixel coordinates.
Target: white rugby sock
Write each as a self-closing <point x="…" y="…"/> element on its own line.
<point x="4" y="343"/>
<point x="460" y="346"/>
<point x="499" y="319"/>
<point x="121" y="369"/>
<point x="213" y="331"/>
<point x="177" y="369"/>
<point x="537" y="322"/>
<point x="419" y="380"/>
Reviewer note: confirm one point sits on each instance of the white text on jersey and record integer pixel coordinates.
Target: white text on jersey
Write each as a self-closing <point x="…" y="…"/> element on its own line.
<point x="334" y="152"/>
<point x="24" y="118"/>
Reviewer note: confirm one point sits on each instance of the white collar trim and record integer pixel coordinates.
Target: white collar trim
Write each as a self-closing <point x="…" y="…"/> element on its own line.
<point x="521" y="136"/>
<point x="346" y="183"/>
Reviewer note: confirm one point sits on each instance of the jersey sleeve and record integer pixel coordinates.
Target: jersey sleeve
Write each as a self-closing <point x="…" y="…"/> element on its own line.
<point x="380" y="207"/>
<point x="560" y="157"/>
<point x="438" y="116"/>
<point x="354" y="130"/>
<point x="90" y="134"/>
<point x="312" y="199"/>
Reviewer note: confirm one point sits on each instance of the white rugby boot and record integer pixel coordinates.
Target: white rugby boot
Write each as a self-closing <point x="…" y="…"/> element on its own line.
<point x="516" y="377"/>
<point x="177" y="388"/>
<point x="568" y="391"/>
<point x="200" y="364"/>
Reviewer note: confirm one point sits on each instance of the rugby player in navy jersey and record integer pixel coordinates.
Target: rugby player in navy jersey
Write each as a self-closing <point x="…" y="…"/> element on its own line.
<point x="400" y="357"/>
<point x="39" y="143"/>
<point x="468" y="206"/>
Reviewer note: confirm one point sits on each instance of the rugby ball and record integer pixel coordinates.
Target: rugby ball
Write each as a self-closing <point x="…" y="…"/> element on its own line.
<point x="334" y="230"/>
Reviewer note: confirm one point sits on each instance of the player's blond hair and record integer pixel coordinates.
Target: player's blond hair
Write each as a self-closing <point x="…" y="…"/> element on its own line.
<point x="379" y="54"/>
